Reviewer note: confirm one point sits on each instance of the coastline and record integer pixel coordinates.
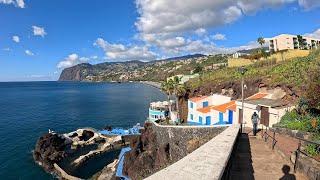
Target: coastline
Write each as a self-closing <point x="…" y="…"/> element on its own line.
<point x="151" y="83"/>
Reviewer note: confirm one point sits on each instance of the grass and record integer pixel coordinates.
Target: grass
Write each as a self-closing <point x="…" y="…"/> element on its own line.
<point x="307" y="123"/>
<point x="292" y="72"/>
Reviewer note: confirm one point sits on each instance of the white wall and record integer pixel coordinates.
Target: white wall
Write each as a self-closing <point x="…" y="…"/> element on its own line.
<point x="274" y="114"/>
<point x="217" y="99"/>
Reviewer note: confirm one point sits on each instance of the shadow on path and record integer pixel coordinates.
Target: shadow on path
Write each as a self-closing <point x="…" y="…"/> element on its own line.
<point x="287" y="175"/>
<point x="240" y="164"/>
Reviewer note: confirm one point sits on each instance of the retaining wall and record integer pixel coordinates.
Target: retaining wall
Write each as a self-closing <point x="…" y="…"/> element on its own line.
<point x="207" y="162"/>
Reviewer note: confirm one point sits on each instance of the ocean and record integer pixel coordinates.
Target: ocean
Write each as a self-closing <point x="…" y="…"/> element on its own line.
<point x="29" y="109"/>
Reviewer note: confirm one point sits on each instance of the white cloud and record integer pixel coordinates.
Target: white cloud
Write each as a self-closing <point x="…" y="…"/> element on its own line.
<point x="6" y="49"/>
<point x="201" y="31"/>
<point x="171" y="25"/>
<point x="309" y="4"/>
<point x="17" y="3"/>
<point x="315" y="34"/>
<point x="167" y="16"/>
<point x="94" y="57"/>
<point x="219" y="36"/>
<point x="16" y="39"/>
<point x="39" y="31"/>
<point x="71" y="60"/>
<point x="29" y="53"/>
<point x="20" y="3"/>
<point x="120" y="52"/>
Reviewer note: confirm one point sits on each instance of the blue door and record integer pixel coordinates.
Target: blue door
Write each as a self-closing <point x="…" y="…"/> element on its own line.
<point x="200" y="119"/>
<point x="205" y="104"/>
<point x="230" y="117"/>
<point x="220" y="118"/>
<point x="208" y="120"/>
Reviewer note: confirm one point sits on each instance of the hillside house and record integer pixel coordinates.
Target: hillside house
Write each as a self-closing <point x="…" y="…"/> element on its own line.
<point x="269" y="108"/>
<point x="211" y="110"/>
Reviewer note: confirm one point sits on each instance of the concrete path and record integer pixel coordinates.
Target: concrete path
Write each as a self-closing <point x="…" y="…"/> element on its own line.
<point x="255" y="160"/>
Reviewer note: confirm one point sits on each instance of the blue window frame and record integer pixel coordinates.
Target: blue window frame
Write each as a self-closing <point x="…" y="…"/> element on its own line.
<point x="205" y="104"/>
<point x="208" y="120"/>
<point x="200" y="119"/>
<point x="191" y="116"/>
<point x="191" y="105"/>
<point x="230" y="117"/>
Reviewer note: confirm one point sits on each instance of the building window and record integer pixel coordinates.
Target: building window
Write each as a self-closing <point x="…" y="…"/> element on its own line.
<point x="191" y="105"/>
<point x="191" y="116"/>
<point x="205" y="104"/>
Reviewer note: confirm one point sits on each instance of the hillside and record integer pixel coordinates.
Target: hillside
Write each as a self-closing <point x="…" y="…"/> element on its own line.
<point x="142" y="71"/>
<point x="294" y="76"/>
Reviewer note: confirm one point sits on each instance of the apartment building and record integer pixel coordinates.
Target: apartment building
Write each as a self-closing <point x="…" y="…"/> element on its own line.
<point x="288" y="41"/>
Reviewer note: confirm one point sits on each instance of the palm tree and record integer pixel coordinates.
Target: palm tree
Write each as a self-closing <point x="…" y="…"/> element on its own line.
<point x="300" y="41"/>
<point x="261" y="41"/>
<point x="168" y="88"/>
<point x="179" y="90"/>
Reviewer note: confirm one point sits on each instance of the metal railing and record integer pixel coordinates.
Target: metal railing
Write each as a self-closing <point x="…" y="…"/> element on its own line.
<point x="299" y="150"/>
<point x="266" y="136"/>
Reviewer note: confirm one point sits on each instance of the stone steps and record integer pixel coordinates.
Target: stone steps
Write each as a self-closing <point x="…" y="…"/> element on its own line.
<point x="255" y="160"/>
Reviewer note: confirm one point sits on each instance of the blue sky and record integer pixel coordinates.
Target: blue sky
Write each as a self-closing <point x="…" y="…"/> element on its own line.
<point x="38" y="38"/>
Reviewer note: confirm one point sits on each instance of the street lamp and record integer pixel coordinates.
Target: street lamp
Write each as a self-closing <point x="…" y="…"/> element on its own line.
<point x="242" y="71"/>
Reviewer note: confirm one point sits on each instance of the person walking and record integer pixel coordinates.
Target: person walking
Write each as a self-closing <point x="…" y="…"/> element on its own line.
<point x="255" y="120"/>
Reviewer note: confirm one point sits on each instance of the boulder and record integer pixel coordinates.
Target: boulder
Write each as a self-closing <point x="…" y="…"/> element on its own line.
<point x="49" y="149"/>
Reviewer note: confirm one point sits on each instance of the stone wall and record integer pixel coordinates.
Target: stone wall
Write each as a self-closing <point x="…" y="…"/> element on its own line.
<point x="310" y="167"/>
<point x="207" y="162"/>
<point x="160" y="146"/>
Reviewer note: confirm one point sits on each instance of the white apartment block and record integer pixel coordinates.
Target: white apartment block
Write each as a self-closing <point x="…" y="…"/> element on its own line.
<point x="288" y="41"/>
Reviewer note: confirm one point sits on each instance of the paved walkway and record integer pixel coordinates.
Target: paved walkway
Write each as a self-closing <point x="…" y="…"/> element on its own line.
<point x="254" y="159"/>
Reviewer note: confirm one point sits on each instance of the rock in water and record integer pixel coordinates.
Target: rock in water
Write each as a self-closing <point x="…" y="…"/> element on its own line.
<point x="50" y="149"/>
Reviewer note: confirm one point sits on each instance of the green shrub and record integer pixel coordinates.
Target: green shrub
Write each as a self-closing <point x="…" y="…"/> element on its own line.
<point x="312" y="149"/>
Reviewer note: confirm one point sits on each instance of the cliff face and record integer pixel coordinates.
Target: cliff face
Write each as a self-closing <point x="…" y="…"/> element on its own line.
<point x="75" y="73"/>
<point x="158" y="147"/>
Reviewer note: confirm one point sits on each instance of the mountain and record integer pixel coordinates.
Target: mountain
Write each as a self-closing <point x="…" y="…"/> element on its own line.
<point x="250" y="51"/>
<point x="137" y="70"/>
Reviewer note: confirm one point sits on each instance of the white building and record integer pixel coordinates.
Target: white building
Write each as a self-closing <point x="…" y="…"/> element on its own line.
<point x="162" y="110"/>
<point x="211" y="110"/>
<point x="288" y="41"/>
<point x="183" y="78"/>
<point x="269" y="109"/>
<point x="239" y="54"/>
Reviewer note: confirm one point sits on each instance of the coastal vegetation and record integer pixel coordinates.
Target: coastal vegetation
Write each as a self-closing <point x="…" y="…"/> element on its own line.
<point x="294" y="72"/>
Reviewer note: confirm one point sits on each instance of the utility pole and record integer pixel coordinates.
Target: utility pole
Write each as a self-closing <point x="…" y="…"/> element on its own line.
<point x="242" y="71"/>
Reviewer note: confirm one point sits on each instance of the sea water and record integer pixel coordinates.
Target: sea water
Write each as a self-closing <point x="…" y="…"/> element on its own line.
<point x="29" y="109"/>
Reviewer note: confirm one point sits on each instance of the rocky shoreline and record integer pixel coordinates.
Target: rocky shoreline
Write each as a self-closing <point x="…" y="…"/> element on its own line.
<point x="157" y="147"/>
<point x="55" y="153"/>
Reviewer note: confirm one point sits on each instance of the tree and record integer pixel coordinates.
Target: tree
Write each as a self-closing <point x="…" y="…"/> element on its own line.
<point x="300" y="41"/>
<point x="178" y="89"/>
<point x="197" y="69"/>
<point x="261" y="41"/>
<point x="168" y="88"/>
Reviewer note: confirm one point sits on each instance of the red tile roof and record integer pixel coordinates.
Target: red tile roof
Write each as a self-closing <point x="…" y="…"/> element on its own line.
<point x="223" y="107"/>
<point x="257" y="96"/>
<point x="205" y="109"/>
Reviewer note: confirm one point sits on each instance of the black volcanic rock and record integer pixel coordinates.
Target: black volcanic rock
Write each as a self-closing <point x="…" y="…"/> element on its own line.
<point x="50" y="149"/>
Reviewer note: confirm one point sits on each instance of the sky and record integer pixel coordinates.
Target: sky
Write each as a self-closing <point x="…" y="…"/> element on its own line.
<point x="39" y="38"/>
